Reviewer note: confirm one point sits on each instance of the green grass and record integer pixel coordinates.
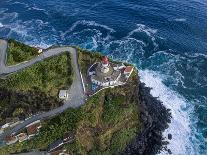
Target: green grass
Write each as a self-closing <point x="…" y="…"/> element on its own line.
<point x="86" y="59"/>
<point x="36" y="88"/>
<point x="19" y="52"/>
<point x="121" y="139"/>
<point x="49" y="76"/>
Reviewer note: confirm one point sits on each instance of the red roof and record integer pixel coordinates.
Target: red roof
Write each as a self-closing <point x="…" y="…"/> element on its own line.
<point x="33" y="129"/>
<point x="105" y="60"/>
<point x="128" y="69"/>
<point x="10" y="138"/>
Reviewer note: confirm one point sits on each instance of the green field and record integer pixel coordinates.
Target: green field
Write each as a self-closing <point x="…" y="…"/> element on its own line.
<point x="36" y="88"/>
<point x="19" y="52"/>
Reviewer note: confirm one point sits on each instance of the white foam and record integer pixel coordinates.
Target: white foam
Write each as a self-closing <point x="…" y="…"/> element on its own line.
<point x="21" y="3"/>
<point x="148" y="31"/>
<point x="143" y="28"/>
<point x="9" y="16"/>
<point x="1" y="25"/>
<point x="195" y="55"/>
<point x="180" y="122"/>
<point x="180" y="19"/>
<point x="87" y="23"/>
<point x="36" y="8"/>
<point x="95" y="43"/>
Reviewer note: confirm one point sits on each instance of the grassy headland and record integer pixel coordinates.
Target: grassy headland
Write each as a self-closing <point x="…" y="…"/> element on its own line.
<point x="105" y="124"/>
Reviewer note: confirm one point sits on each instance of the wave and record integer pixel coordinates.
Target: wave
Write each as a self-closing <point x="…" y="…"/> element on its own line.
<point x="2" y="10"/>
<point x="180" y="126"/>
<point x="21" y="3"/>
<point x="36" y="8"/>
<point x="1" y="25"/>
<point x="9" y="17"/>
<point x="143" y="28"/>
<point x="180" y="19"/>
<point x="86" y="23"/>
<point x="195" y="55"/>
<point x="148" y="31"/>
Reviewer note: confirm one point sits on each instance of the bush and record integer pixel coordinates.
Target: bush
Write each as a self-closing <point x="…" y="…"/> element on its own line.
<point x="19" y="52"/>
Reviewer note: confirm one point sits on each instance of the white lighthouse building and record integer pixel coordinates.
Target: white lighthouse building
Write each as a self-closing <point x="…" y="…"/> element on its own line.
<point x="103" y="74"/>
<point x="106" y="74"/>
<point x="105" y="65"/>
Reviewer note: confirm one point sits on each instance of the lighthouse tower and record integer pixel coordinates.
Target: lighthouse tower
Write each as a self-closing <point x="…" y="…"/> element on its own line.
<point x="104" y="64"/>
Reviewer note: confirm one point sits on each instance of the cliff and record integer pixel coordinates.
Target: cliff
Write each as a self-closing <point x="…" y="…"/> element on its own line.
<point x="120" y="120"/>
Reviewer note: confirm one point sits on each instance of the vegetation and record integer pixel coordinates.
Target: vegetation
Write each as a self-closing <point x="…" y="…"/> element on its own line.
<point x="86" y="59"/>
<point x="104" y="125"/>
<point x="35" y="89"/>
<point x="93" y="133"/>
<point x="19" y="52"/>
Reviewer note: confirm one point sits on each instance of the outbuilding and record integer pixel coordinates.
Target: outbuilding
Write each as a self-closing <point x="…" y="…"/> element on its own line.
<point x="63" y="94"/>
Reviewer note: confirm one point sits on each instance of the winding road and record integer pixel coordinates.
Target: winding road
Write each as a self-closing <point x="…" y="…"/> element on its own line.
<point x="76" y="91"/>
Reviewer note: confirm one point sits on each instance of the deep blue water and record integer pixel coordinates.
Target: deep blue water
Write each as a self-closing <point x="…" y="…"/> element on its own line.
<point x="165" y="39"/>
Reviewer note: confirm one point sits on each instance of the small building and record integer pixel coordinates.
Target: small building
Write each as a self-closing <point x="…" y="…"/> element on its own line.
<point x="58" y="152"/>
<point x="40" y="51"/>
<point x="63" y="94"/>
<point x="10" y="122"/>
<point x="127" y="71"/>
<point x="11" y="139"/>
<point x="22" y="137"/>
<point x="57" y="145"/>
<point x="33" y="128"/>
<point x="69" y="137"/>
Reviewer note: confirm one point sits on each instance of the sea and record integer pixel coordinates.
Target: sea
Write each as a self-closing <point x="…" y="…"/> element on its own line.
<point x="165" y="39"/>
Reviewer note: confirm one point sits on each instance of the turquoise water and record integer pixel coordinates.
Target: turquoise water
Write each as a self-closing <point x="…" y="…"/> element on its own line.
<point x="166" y="40"/>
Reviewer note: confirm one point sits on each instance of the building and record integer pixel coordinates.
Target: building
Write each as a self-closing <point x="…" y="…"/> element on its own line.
<point x="40" y="50"/>
<point x="11" y="139"/>
<point x="103" y="73"/>
<point x="10" y="122"/>
<point x="109" y="74"/>
<point x="33" y="128"/>
<point x="56" y="146"/>
<point x="69" y="137"/>
<point x="63" y="94"/>
<point x="58" y="152"/>
<point x="127" y="71"/>
<point x="22" y="137"/>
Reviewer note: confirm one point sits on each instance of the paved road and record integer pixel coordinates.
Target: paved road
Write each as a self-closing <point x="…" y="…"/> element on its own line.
<point x="76" y="91"/>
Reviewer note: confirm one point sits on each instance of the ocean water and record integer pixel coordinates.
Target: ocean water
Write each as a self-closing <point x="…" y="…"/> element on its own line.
<point x="165" y="39"/>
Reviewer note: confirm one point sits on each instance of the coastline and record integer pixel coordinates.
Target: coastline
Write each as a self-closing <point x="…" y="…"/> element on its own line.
<point x="155" y="118"/>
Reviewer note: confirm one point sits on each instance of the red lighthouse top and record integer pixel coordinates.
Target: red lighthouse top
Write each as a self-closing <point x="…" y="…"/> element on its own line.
<point x="105" y="60"/>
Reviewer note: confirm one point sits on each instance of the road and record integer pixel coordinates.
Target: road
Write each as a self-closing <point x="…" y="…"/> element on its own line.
<point x="76" y="91"/>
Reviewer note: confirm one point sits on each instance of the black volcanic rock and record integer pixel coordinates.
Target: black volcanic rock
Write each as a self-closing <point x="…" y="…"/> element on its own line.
<point x="155" y="118"/>
<point x="169" y="136"/>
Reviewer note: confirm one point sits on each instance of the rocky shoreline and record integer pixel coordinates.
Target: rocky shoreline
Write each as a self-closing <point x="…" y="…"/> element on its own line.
<point x="155" y="118"/>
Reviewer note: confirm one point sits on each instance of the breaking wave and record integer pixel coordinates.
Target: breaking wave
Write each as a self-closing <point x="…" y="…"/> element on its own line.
<point x="180" y="19"/>
<point x="1" y="25"/>
<point x="180" y="109"/>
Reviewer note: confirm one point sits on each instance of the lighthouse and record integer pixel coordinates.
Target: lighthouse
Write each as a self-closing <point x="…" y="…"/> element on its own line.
<point x="104" y="64"/>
